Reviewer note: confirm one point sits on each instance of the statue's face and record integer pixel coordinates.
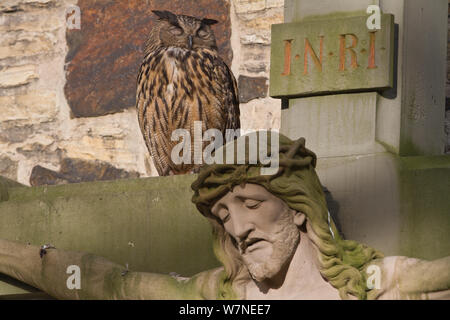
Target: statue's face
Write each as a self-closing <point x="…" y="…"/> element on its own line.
<point x="262" y="226"/>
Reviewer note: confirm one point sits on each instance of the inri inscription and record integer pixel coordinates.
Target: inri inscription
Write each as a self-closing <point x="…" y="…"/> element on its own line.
<point x="330" y="56"/>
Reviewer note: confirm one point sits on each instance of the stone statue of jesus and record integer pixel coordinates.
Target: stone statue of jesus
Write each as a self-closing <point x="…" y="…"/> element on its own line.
<point x="273" y="235"/>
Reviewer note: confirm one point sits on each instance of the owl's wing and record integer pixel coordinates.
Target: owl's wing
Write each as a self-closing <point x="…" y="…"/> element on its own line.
<point x="228" y="96"/>
<point x="204" y="90"/>
<point x="152" y="112"/>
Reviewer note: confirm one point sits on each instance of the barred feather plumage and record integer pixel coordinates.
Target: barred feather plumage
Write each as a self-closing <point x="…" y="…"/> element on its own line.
<point x="182" y="82"/>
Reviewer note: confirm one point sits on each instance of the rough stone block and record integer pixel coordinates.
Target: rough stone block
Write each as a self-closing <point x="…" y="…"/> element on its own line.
<point x="258" y="39"/>
<point x="76" y="171"/>
<point x="8" y="168"/>
<point x="255" y="27"/>
<point x="33" y="107"/>
<point x="39" y="21"/>
<point x="10" y="6"/>
<point x="255" y="59"/>
<point x="17" y="76"/>
<point x="246" y="6"/>
<point x="14" y="132"/>
<point x="275" y="3"/>
<point x="252" y="88"/>
<point x="20" y="44"/>
<point x="45" y="152"/>
<point x="330" y="56"/>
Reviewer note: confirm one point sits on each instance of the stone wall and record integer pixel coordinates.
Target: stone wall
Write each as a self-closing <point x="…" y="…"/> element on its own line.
<point x="56" y="122"/>
<point x="67" y="105"/>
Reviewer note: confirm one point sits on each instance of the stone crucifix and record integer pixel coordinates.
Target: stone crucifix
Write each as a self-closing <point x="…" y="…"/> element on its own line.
<point x="273" y="235"/>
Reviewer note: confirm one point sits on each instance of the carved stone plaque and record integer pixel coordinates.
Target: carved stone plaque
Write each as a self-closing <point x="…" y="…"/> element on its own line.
<point x="331" y="56"/>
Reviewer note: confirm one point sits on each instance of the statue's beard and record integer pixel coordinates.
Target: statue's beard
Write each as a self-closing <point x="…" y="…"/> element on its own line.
<point x="284" y="245"/>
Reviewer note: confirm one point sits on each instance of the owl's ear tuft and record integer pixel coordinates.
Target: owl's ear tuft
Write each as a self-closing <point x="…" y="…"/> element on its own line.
<point x="209" y="22"/>
<point x="167" y="15"/>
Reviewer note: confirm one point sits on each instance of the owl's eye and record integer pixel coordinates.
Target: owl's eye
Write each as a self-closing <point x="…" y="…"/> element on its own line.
<point x="176" y="31"/>
<point x="202" y="33"/>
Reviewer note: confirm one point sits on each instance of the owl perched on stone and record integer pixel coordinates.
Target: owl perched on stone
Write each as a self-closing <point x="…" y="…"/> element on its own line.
<point x="182" y="80"/>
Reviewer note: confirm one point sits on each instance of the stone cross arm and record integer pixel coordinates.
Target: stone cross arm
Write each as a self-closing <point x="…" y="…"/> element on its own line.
<point x="98" y="277"/>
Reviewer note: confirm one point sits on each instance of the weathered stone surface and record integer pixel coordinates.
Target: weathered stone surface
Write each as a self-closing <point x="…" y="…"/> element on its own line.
<point x="255" y="60"/>
<point x="246" y="6"/>
<point x="274" y="3"/>
<point x="263" y="39"/>
<point x="134" y="222"/>
<point x="333" y="126"/>
<point x="395" y="204"/>
<point x="410" y="118"/>
<point x="255" y="67"/>
<point x="105" y="55"/>
<point x="8" y="168"/>
<point x="448" y="68"/>
<point x="34" y="21"/>
<point x="19" y="44"/>
<point x="11" y="6"/>
<point x="34" y="106"/>
<point x="75" y="171"/>
<point x="328" y="56"/>
<point x="261" y="114"/>
<point x="17" y="76"/>
<point x="298" y="10"/>
<point x="252" y="88"/>
<point x="447" y="130"/>
<point x="13" y="132"/>
<point x="46" y="151"/>
<point x="255" y="28"/>
<point x="36" y="124"/>
<point x="41" y="176"/>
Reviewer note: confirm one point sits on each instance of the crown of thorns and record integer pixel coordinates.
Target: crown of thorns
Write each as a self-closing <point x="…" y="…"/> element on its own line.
<point x="216" y="180"/>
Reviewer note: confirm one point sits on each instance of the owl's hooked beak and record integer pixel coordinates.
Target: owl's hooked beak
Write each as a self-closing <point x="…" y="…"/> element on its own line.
<point x="191" y="42"/>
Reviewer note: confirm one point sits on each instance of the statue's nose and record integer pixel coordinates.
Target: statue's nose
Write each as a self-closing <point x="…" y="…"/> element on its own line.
<point x="242" y="227"/>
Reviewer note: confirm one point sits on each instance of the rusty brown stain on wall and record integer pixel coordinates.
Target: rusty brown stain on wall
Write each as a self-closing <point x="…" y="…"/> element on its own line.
<point x="105" y="55"/>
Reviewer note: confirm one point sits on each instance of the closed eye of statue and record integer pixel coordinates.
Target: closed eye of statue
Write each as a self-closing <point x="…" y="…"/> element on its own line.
<point x="253" y="203"/>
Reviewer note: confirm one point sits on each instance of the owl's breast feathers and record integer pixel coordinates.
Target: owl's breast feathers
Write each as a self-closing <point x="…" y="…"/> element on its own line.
<point x="177" y="87"/>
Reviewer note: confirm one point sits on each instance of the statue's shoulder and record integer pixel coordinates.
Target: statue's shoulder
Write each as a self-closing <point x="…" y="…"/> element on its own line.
<point x="204" y="285"/>
<point x="399" y="277"/>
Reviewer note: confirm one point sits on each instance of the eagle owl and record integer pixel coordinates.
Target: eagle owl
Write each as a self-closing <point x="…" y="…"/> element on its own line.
<point x="182" y="80"/>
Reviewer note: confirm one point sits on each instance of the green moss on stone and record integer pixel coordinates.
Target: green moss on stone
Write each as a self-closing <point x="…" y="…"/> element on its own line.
<point x="425" y="206"/>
